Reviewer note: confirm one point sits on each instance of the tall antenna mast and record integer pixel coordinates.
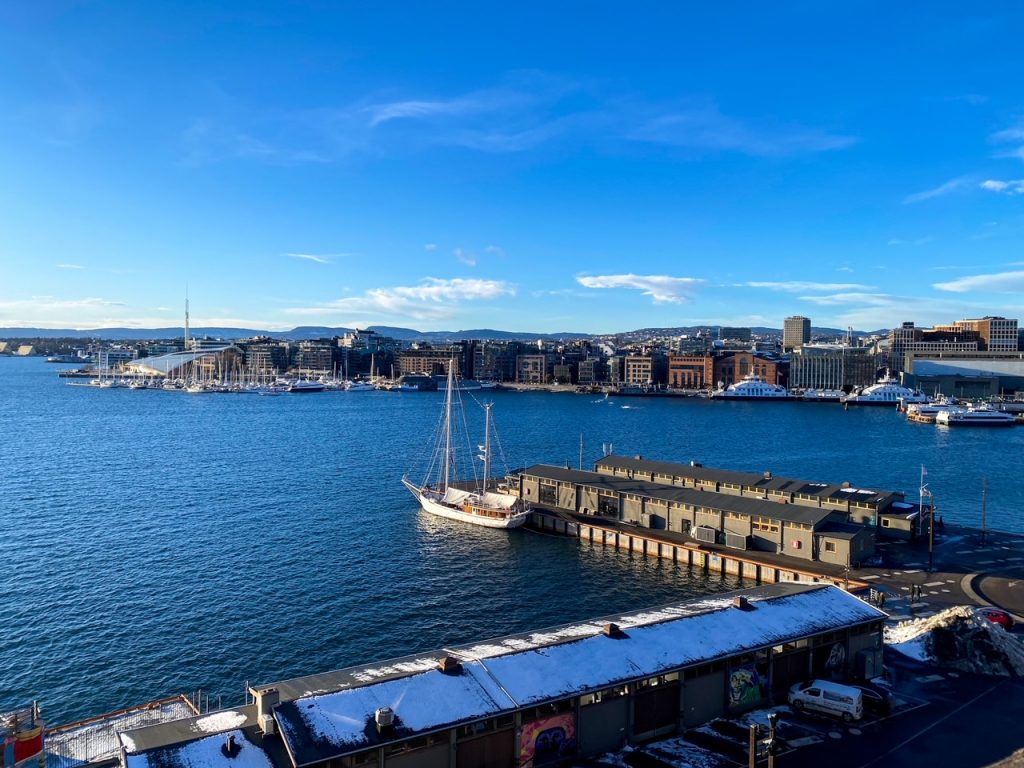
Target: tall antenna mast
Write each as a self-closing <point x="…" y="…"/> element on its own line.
<point x="186" y="317"/>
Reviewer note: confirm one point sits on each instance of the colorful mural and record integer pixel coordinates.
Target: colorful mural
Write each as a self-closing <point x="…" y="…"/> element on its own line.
<point x="746" y="688"/>
<point x="547" y="741"/>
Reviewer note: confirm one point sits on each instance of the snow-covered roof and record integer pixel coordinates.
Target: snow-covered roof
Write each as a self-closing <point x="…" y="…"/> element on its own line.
<point x="506" y="674"/>
<point x="208" y="752"/>
<point x="172" y="363"/>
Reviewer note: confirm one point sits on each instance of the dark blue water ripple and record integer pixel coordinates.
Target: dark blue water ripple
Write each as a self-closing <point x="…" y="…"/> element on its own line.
<point x="158" y="542"/>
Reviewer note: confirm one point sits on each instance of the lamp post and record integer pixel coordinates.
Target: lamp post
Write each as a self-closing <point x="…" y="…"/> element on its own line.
<point x="931" y="530"/>
<point x="773" y="745"/>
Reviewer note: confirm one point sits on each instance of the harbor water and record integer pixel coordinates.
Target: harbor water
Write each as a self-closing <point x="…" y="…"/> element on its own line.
<point x="158" y="542"/>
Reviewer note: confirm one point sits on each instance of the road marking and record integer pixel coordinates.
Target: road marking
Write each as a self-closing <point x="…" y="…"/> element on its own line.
<point x="883" y="757"/>
<point x="868" y="578"/>
<point x="946" y="590"/>
<point x="934" y="583"/>
<point x="909" y="572"/>
<point x="804" y="741"/>
<point x="985" y="562"/>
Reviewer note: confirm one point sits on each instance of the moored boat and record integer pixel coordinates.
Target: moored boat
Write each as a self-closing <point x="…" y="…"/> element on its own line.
<point x="886" y="392"/>
<point x="752" y="387"/>
<point x="443" y="497"/>
<point x="978" y="416"/>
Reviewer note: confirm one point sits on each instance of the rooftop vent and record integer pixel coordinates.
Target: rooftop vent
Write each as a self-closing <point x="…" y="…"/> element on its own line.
<point x="449" y="665"/>
<point x="230" y="748"/>
<point x="767" y="475"/>
<point x="612" y="630"/>
<point x="845" y="484"/>
<point x="741" y="602"/>
<point x="384" y="717"/>
<point x="638" y="457"/>
<point x="696" y="464"/>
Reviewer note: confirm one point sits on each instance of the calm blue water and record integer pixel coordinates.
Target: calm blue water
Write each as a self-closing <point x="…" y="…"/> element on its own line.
<point x="159" y="542"/>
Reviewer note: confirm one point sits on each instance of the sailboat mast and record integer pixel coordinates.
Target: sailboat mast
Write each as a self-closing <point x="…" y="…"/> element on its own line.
<point x="487" y="444"/>
<point x="448" y="424"/>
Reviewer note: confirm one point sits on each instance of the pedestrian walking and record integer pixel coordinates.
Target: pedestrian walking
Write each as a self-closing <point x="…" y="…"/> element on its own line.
<point x="881" y="599"/>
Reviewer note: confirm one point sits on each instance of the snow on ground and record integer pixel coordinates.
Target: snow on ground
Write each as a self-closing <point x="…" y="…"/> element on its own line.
<point x="220" y="721"/>
<point x="678" y="753"/>
<point x="958" y="638"/>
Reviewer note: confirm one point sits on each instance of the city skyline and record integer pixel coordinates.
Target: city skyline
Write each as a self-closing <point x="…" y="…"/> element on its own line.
<point x="584" y="169"/>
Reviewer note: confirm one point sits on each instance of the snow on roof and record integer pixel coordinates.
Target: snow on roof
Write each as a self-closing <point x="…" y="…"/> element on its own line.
<point x="503" y="675"/>
<point x="207" y="752"/>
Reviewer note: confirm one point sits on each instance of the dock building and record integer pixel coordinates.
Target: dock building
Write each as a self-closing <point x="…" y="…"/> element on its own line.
<point x="548" y="697"/>
<point x="754" y="522"/>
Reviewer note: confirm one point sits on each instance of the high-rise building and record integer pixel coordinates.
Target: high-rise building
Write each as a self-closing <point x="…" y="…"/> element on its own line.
<point x="998" y="333"/>
<point x="796" y="330"/>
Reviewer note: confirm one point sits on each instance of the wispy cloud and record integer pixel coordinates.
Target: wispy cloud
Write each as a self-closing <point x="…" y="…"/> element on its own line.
<point x="433" y="299"/>
<point x="1011" y="140"/>
<point x="1009" y="187"/>
<point x="707" y="128"/>
<point x="522" y="111"/>
<point x="943" y="189"/>
<point x="661" y="288"/>
<point x="464" y="256"/>
<point x="70" y="266"/>
<point x="319" y="259"/>
<point x="796" y="286"/>
<point x="430" y="247"/>
<point x="1000" y="282"/>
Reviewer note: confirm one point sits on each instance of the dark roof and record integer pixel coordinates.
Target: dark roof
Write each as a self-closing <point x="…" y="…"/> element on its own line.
<point x="835" y="530"/>
<point x="763" y="481"/>
<point x="747" y="505"/>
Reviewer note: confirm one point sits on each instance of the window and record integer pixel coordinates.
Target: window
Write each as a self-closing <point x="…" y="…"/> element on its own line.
<point x="547" y="494"/>
<point x="830" y="546"/>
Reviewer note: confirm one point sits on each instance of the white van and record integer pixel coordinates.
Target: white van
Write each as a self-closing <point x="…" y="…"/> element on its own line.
<point x="828" y="697"/>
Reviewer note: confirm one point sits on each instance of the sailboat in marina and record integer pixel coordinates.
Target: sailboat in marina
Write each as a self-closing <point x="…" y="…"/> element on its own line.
<point x="440" y="494"/>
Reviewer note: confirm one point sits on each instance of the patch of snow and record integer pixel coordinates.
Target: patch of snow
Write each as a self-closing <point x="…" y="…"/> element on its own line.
<point x="205" y="753"/>
<point x="127" y="742"/>
<point x="220" y="721"/>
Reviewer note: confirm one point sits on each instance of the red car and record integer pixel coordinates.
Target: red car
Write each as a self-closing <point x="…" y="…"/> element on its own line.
<point x="996" y="616"/>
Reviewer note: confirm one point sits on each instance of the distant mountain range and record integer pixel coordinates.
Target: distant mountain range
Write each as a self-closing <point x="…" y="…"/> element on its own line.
<point x="402" y="334"/>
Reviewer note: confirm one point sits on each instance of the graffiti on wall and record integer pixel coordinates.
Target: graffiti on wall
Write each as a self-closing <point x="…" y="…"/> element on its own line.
<point x="746" y="687"/>
<point x="547" y="741"/>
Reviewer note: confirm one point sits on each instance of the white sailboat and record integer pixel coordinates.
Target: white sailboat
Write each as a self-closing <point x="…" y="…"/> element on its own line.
<point x="489" y="508"/>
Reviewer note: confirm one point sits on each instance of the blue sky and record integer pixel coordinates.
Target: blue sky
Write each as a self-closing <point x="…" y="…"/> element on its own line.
<point x="589" y="166"/>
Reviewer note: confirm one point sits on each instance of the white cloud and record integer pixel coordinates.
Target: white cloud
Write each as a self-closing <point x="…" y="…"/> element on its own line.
<point x="70" y="266"/>
<point x="796" y="286"/>
<point x="325" y="259"/>
<point x="1014" y="136"/>
<point x="1009" y="187"/>
<point x="939" y="191"/>
<point x="430" y="247"/>
<point x="497" y="250"/>
<point x="1000" y="282"/>
<point x="465" y="257"/>
<point x="916" y="242"/>
<point x="662" y="288"/>
<point x="432" y="299"/>
<point x="844" y="269"/>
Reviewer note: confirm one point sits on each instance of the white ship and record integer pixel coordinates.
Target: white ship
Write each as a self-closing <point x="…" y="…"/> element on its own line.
<point x="489" y="508"/>
<point x="979" y="416"/>
<point x="887" y="391"/>
<point x="752" y="387"/>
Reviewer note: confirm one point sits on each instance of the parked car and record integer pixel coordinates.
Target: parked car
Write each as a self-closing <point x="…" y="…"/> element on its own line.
<point x="877" y="700"/>
<point x="996" y="616"/>
<point x="831" y="698"/>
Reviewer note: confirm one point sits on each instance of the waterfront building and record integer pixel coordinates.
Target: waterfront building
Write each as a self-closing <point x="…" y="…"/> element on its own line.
<point x="863" y="506"/>
<point x="433" y="360"/>
<point x="638" y="371"/>
<point x="547" y="697"/>
<point x="754" y="522"/>
<point x="210" y="363"/>
<point x="831" y="366"/>
<point x="966" y="374"/>
<point x="796" y="330"/>
<point x="591" y="371"/>
<point x="315" y="357"/>
<point x="264" y="355"/>
<point x="496" y="360"/>
<point x="108" y="358"/>
<point x="691" y="371"/>
<point x="532" y="369"/>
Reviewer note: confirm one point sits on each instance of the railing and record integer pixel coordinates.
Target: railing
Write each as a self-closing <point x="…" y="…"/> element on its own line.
<point x="94" y="740"/>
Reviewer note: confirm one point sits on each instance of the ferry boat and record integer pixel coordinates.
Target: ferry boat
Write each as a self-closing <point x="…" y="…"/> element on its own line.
<point x="979" y="416"/>
<point x="752" y="387"/>
<point x="887" y="391"/>
<point x="484" y="507"/>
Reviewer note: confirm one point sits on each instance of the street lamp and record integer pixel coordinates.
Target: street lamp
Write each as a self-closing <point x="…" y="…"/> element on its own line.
<point x="773" y="745"/>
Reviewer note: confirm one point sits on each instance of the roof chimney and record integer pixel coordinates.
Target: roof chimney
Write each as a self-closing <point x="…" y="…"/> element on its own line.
<point x="741" y="602"/>
<point x="449" y="665"/>
<point x="612" y="630"/>
<point x="230" y="747"/>
<point x="767" y="475"/>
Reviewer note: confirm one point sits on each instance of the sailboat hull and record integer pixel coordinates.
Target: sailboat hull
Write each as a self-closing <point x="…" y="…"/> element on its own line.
<point x="435" y="505"/>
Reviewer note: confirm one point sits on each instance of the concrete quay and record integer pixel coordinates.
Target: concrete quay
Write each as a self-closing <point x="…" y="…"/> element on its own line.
<point x="965" y="567"/>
